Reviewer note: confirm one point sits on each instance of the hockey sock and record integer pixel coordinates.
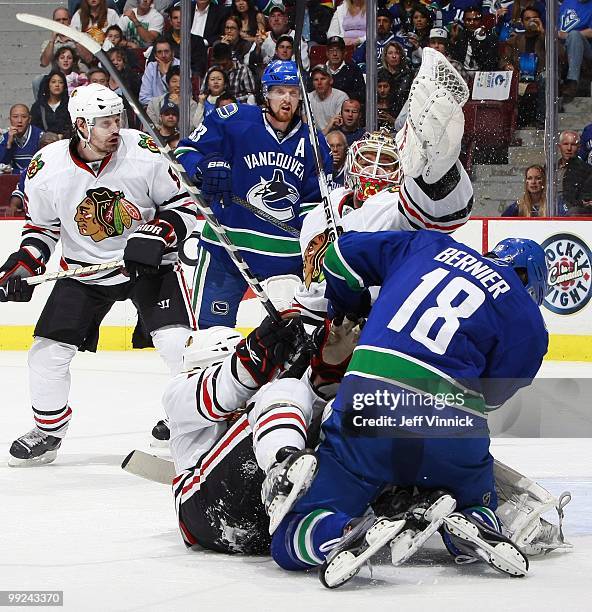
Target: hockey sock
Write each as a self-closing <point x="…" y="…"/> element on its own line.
<point x="303" y="541"/>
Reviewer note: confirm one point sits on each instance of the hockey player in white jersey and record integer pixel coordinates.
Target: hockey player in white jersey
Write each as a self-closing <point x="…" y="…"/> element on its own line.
<point x="107" y="194"/>
<point x="416" y="183"/>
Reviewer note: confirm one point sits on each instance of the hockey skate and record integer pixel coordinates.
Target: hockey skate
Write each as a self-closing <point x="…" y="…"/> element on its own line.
<point x="160" y="434"/>
<point x="287" y="480"/>
<point x="33" y="448"/>
<point x="356" y="547"/>
<point x="424" y="517"/>
<point x="475" y="534"/>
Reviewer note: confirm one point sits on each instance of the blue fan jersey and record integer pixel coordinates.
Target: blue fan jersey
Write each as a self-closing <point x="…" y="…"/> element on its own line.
<point x="276" y="176"/>
<point x="444" y="313"/>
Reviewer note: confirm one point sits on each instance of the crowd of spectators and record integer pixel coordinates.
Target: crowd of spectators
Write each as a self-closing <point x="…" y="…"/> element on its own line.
<point x="232" y="41"/>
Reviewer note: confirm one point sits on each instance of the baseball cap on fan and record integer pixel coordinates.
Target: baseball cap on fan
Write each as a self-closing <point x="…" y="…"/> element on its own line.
<point x="277" y="6"/>
<point x="169" y="108"/>
<point x="336" y="41"/>
<point x="439" y="33"/>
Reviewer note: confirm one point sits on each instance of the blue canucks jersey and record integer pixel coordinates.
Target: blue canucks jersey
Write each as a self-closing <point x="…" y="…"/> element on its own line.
<point x="444" y="313"/>
<point x="276" y="176"/>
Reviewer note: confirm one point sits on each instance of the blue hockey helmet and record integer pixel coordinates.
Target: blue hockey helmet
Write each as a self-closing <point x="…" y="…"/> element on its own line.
<point x="279" y="72"/>
<point x="527" y="255"/>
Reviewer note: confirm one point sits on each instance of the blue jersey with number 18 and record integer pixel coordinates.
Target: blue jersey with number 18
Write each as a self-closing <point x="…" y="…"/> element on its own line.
<point x="444" y="311"/>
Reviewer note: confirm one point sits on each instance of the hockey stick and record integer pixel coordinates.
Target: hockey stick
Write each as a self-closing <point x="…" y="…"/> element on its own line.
<point x="54" y="276"/>
<point x="150" y="467"/>
<point x="323" y="185"/>
<point x="88" y="43"/>
<point x="261" y="213"/>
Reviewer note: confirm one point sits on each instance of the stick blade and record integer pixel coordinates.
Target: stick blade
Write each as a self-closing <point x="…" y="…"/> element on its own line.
<point x="149" y="467"/>
<point x="42" y="22"/>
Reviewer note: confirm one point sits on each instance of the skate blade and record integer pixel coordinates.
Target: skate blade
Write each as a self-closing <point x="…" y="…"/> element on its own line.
<point x="301" y="474"/>
<point x="504" y="556"/>
<point x="345" y="565"/>
<point x="406" y="544"/>
<point x="47" y="457"/>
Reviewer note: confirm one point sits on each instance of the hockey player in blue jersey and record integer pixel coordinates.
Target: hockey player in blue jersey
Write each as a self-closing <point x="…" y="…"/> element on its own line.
<point x="265" y="157"/>
<point x="452" y="335"/>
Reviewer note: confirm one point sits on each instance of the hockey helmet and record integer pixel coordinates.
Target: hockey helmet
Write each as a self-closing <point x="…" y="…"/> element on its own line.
<point x="527" y="255"/>
<point x="92" y="101"/>
<point x="372" y="164"/>
<point x="279" y="72"/>
<point x="209" y="346"/>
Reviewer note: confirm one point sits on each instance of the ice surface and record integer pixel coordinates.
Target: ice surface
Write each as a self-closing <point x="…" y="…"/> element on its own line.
<point x="109" y="539"/>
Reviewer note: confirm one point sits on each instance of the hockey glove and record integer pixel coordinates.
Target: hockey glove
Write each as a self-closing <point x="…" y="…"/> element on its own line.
<point x="359" y="308"/>
<point x="214" y="178"/>
<point x="269" y="348"/>
<point x="336" y="343"/>
<point x="146" y="246"/>
<point x="16" y="268"/>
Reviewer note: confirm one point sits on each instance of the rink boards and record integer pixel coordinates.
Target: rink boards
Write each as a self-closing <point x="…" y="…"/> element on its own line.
<point x="567" y="309"/>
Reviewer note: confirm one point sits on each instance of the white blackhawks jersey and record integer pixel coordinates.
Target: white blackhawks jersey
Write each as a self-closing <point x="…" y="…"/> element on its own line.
<point x="409" y="208"/>
<point x="94" y="207"/>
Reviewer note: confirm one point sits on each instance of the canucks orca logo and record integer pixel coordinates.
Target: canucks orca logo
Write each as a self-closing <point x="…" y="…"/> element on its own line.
<point x="268" y="195"/>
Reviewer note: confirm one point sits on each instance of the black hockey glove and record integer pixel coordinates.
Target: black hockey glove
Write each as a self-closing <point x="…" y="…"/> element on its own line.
<point x="214" y="178"/>
<point x="145" y="247"/>
<point x="357" y="309"/>
<point x="16" y="268"/>
<point x="271" y="347"/>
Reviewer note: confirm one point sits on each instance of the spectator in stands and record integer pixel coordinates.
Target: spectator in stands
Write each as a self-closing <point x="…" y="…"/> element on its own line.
<point x="93" y="17"/>
<point x="349" y="22"/>
<point x="395" y="63"/>
<point x="50" y="111"/>
<point x="208" y="20"/>
<point x="384" y="35"/>
<point x="471" y="45"/>
<point x="17" y="198"/>
<point x="509" y="16"/>
<point x="154" y="77"/>
<point x="168" y="122"/>
<point x="142" y="25"/>
<point x="317" y="19"/>
<point x="114" y="38"/>
<point x="574" y="178"/>
<point x="21" y="141"/>
<point x="240" y="78"/>
<point x="338" y="145"/>
<point x="402" y="13"/>
<point x="422" y="24"/>
<point x="532" y="202"/>
<point x="387" y="112"/>
<point x="585" y="150"/>
<point x="232" y="37"/>
<point x="130" y="78"/>
<point x="347" y="76"/>
<point x="439" y="42"/>
<point x="325" y="101"/>
<point x="66" y="61"/>
<point x="267" y="42"/>
<point x="575" y="30"/>
<point x="250" y="20"/>
<point x="49" y="47"/>
<point x="524" y="53"/>
<point x="173" y="94"/>
<point x="98" y="75"/>
<point x="162" y="6"/>
<point x="348" y="121"/>
<point x="214" y="85"/>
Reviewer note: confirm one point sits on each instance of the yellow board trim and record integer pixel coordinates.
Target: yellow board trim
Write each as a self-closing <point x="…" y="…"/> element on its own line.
<point x="562" y="347"/>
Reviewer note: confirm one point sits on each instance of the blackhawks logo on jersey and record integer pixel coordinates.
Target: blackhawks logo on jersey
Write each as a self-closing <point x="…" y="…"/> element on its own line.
<point x="268" y="195"/>
<point x="34" y="166"/>
<point x="146" y="142"/>
<point x="104" y="213"/>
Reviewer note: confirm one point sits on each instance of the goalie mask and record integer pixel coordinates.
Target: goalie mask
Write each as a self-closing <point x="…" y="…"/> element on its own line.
<point x="372" y="165"/>
<point x="209" y="346"/>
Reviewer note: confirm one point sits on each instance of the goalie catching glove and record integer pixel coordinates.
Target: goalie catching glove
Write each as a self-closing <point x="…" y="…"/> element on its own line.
<point x="14" y="271"/>
<point x="146" y="246"/>
<point x="429" y="142"/>
<point x="270" y="348"/>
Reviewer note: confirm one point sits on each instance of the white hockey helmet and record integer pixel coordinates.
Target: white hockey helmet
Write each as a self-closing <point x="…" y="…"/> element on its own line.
<point x="207" y="347"/>
<point x="372" y="164"/>
<point x="92" y="101"/>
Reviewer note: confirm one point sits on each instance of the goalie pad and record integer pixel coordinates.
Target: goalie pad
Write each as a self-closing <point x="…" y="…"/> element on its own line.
<point x="522" y="504"/>
<point x="429" y="142"/>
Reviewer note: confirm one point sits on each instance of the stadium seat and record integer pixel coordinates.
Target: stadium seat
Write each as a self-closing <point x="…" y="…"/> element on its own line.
<point x="8" y="182"/>
<point x="489" y="123"/>
<point x="140" y="60"/>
